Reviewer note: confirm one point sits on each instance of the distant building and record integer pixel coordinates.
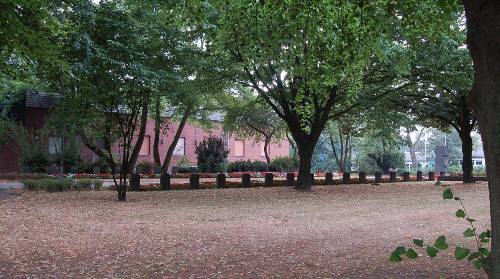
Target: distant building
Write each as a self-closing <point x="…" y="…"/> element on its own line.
<point x="34" y="109"/>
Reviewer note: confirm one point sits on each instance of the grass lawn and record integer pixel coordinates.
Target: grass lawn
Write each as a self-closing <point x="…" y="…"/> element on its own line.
<point x="333" y="231"/>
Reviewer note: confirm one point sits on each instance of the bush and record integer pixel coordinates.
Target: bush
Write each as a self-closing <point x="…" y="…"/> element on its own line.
<point x="211" y="155"/>
<point x="61" y="184"/>
<point x="35" y="159"/>
<point x="285" y="164"/>
<point x="244" y="166"/>
<point x="147" y="167"/>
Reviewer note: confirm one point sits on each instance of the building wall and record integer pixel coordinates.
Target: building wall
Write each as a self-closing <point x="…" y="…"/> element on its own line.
<point x="193" y="134"/>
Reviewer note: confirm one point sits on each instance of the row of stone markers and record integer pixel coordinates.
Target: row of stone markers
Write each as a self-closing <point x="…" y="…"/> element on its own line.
<point x="194" y="180"/>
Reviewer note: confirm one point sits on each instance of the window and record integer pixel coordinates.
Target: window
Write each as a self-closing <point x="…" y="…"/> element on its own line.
<point x="180" y="147"/>
<point x="55" y="145"/>
<point x="239" y="148"/>
<point x="262" y="152"/>
<point x="145" y="146"/>
<point x="479" y="162"/>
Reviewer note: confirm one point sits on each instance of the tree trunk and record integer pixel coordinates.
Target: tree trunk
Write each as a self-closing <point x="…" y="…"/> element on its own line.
<point x="140" y="137"/>
<point x="292" y="145"/>
<point x="156" y="142"/>
<point x="305" y="162"/>
<point x="467" y="167"/>
<point x="122" y="193"/>
<point x="483" y="33"/>
<point x="171" y="148"/>
<point x="266" y="150"/>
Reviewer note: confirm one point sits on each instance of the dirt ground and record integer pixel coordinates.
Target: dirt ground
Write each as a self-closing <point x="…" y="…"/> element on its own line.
<point x="331" y="232"/>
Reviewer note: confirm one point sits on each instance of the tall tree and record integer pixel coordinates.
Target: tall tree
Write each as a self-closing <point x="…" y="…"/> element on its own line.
<point x="483" y="31"/>
<point x="442" y="77"/>
<point x="112" y="81"/>
<point x="304" y="59"/>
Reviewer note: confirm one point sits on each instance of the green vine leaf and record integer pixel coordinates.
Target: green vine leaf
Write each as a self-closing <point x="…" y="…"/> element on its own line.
<point x="460" y="213"/>
<point x="396" y="254"/>
<point x="418" y="242"/>
<point x="431" y="251"/>
<point x="447" y="194"/>
<point x="441" y="243"/>
<point x="410" y="253"/>
<point x="469" y="233"/>
<point x="461" y="253"/>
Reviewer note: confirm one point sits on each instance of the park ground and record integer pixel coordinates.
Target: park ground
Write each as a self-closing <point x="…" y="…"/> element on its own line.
<point x="343" y="231"/>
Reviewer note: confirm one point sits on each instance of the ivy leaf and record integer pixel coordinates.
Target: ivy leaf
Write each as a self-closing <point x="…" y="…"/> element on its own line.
<point x="431" y="251"/>
<point x="460" y="213"/>
<point x="484" y="251"/>
<point x="440" y="243"/>
<point x="418" y="242"/>
<point x="447" y="194"/>
<point x="461" y="253"/>
<point x="473" y="255"/>
<point x="411" y="253"/>
<point x="485" y="234"/>
<point x="469" y="233"/>
<point x="477" y="263"/>
<point x="396" y="254"/>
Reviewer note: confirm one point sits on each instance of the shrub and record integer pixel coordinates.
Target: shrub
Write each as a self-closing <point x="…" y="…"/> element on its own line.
<point x="211" y="155"/>
<point x="145" y="167"/>
<point x="34" y="158"/>
<point x="245" y="166"/>
<point x="285" y="164"/>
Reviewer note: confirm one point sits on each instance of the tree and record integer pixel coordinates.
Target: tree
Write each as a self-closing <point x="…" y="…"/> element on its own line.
<point x="249" y="117"/>
<point x="413" y="143"/>
<point x="483" y="31"/>
<point x="442" y="77"/>
<point x="304" y="59"/>
<point x="112" y="81"/>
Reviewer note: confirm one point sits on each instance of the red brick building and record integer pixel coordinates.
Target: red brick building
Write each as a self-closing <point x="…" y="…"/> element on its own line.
<point x="36" y="107"/>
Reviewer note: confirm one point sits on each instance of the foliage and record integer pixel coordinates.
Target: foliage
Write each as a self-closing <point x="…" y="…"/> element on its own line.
<point x="145" y="167"/>
<point x="61" y="184"/>
<point x="374" y="154"/>
<point x="278" y="164"/>
<point x="249" y="117"/>
<point x="285" y="164"/>
<point x="244" y="166"/>
<point x="211" y="155"/>
<point x="478" y="257"/>
<point x="35" y="158"/>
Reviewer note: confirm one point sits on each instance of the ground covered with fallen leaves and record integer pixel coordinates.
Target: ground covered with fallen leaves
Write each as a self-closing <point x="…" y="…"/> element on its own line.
<point x="344" y="231"/>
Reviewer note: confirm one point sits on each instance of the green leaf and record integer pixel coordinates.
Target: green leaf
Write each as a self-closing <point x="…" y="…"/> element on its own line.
<point x="485" y="240"/>
<point x="460" y="213"/>
<point x="469" y="233"/>
<point x="431" y="251"/>
<point x="447" y="194"/>
<point x="418" y="242"/>
<point x="477" y="263"/>
<point x="461" y="253"/>
<point x="473" y="255"/>
<point x="411" y="253"/>
<point x="484" y="251"/>
<point x="485" y="234"/>
<point x="396" y="254"/>
<point x="440" y="243"/>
